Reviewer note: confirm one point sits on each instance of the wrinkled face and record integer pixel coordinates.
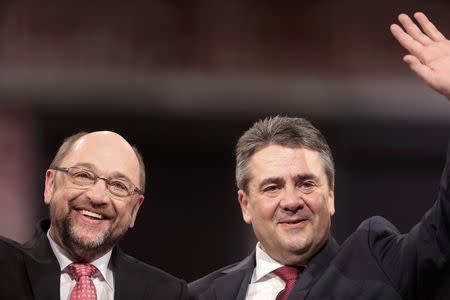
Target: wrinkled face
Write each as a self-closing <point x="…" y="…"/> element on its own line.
<point x="288" y="202"/>
<point x="87" y="222"/>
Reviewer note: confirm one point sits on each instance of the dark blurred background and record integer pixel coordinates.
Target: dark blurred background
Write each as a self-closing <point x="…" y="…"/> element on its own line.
<point x="183" y="79"/>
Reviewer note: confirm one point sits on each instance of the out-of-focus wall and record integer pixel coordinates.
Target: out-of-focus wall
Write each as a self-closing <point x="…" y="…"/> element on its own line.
<point x="17" y="172"/>
<point x="333" y="59"/>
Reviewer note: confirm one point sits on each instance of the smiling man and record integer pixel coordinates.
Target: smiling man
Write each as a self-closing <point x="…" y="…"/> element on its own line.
<point x="94" y="188"/>
<point x="289" y="227"/>
<point x="285" y="177"/>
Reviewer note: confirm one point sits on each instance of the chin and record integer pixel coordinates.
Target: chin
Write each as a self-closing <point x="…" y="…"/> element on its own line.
<point x="84" y="237"/>
<point x="295" y="258"/>
<point x="88" y="240"/>
<point x="297" y="244"/>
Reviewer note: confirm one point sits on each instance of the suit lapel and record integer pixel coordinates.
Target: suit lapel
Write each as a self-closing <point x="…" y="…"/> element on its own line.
<point x="42" y="266"/>
<point x="314" y="270"/>
<point x="127" y="282"/>
<point x="234" y="285"/>
<point x="44" y="271"/>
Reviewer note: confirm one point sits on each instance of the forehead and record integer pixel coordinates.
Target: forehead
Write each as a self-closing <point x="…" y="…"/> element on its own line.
<point x="280" y="161"/>
<point x="107" y="152"/>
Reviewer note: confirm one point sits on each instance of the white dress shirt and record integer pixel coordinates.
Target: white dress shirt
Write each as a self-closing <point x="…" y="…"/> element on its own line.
<point x="264" y="284"/>
<point x="103" y="280"/>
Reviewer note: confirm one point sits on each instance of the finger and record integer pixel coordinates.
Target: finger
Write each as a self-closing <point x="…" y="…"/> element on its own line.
<point x="429" y="27"/>
<point x="420" y="69"/>
<point x="410" y="44"/>
<point x="413" y="30"/>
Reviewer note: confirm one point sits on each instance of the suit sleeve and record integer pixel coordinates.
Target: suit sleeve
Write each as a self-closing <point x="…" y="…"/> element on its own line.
<point x="414" y="262"/>
<point x="14" y="282"/>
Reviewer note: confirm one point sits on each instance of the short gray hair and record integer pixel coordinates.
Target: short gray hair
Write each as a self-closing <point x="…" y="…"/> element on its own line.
<point x="283" y="131"/>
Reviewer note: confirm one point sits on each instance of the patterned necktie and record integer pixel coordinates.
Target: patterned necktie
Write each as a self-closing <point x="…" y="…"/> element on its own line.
<point x="84" y="289"/>
<point x="289" y="276"/>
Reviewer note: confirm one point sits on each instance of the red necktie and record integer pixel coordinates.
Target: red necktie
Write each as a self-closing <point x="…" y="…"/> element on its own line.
<point x="289" y="276"/>
<point x="84" y="289"/>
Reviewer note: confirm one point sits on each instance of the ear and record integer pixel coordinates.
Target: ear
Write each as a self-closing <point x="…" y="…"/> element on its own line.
<point x="135" y="209"/>
<point x="330" y="202"/>
<point x="49" y="186"/>
<point x="243" y="202"/>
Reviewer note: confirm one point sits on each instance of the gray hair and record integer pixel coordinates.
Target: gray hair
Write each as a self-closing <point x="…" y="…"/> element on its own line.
<point x="283" y="131"/>
<point x="66" y="146"/>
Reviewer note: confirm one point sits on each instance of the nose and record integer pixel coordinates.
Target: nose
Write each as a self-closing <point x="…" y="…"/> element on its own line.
<point x="98" y="192"/>
<point x="291" y="200"/>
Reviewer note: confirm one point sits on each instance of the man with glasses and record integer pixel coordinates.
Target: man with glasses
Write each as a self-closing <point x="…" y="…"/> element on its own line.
<point x="94" y="188"/>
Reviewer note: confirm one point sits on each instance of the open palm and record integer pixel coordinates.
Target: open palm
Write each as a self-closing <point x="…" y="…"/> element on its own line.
<point x="429" y="51"/>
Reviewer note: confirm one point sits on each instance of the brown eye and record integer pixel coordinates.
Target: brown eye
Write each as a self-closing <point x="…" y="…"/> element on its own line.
<point x="83" y="174"/>
<point x="271" y="189"/>
<point x="81" y="177"/>
<point x="119" y="187"/>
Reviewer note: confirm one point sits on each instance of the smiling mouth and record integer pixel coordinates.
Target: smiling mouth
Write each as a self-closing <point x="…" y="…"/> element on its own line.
<point x="294" y="222"/>
<point x="91" y="214"/>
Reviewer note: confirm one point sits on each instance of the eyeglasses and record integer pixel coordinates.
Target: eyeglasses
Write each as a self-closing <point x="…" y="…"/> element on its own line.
<point x="121" y="188"/>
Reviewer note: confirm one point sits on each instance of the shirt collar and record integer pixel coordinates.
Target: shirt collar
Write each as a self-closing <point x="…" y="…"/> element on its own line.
<point x="64" y="260"/>
<point x="265" y="265"/>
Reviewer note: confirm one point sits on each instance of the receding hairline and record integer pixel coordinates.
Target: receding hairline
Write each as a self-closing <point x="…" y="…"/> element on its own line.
<point x="74" y="140"/>
<point x="69" y="143"/>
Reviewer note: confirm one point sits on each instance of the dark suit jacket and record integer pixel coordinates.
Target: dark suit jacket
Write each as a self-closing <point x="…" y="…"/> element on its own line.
<point x="375" y="262"/>
<point x="31" y="271"/>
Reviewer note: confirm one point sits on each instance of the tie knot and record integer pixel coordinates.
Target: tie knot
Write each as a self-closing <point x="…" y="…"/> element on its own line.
<point x="79" y="270"/>
<point x="287" y="273"/>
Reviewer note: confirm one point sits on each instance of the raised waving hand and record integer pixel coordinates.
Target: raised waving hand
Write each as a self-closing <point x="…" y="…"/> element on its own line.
<point x="429" y="50"/>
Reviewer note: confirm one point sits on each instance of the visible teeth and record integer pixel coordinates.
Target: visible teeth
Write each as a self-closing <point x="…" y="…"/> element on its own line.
<point x="91" y="214"/>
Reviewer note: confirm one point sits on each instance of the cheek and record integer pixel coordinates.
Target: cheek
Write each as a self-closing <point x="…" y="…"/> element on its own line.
<point x="265" y="208"/>
<point x="321" y="212"/>
<point x="317" y="203"/>
<point x="59" y="206"/>
<point x="58" y="201"/>
<point x="123" y="212"/>
<point x="66" y="195"/>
